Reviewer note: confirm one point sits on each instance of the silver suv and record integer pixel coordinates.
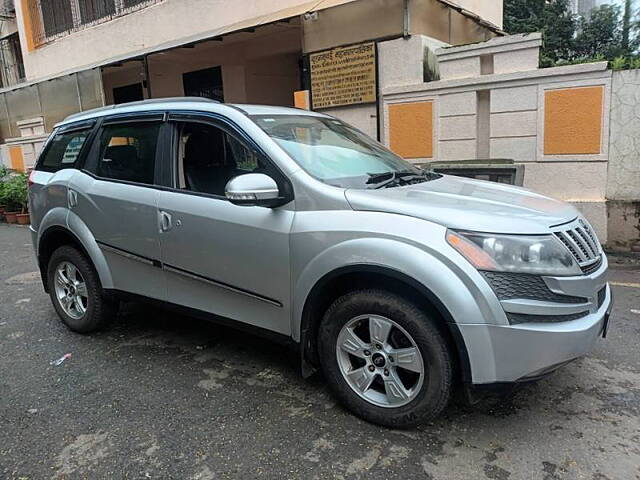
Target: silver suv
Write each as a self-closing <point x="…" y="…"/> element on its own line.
<point x="399" y="284"/>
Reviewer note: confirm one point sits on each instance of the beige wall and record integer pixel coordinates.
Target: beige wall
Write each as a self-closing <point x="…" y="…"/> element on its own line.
<point x="149" y="27"/>
<point x="8" y="27"/>
<point x="250" y="72"/>
<point x="518" y="117"/>
<point x="173" y="21"/>
<point x="490" y="10"/>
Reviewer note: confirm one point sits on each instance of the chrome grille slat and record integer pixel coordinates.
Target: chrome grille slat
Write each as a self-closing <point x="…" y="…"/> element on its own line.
<point x="593" y="238"/>
<point x="578" y="237"/>
<point x="580" y="243"/>
<point x="576" y="250"/>
<point x="566" y="243"/>
<point x="592" y="249"/>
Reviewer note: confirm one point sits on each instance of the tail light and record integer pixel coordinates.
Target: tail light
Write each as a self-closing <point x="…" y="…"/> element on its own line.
<point x="30" y="180"/>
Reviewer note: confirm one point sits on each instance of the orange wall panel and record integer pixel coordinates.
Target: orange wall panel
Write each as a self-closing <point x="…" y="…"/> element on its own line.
<point x="28" y="24"/>
<point x="301" y="99"/>
<point x="573" y="121"/>
<point x="411" y="129"/>
<point x="17" y="160"/>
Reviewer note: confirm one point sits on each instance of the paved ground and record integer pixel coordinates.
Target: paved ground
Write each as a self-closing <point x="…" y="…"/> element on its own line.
<point x="160" y="396"/>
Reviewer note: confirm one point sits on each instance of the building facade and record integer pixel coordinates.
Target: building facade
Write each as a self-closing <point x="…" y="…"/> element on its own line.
<point x="81" y="54"/>
<point x="436" y="80"/>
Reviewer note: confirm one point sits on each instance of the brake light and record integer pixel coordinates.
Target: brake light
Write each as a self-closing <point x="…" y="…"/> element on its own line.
<point x="30" y="180"/>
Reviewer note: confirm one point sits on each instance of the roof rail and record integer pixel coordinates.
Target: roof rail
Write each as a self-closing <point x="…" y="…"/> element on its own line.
<point x="141" y="102"/>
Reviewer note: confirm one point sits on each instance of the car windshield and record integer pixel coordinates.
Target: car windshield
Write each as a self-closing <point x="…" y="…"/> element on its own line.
<point x="338" y="154"/>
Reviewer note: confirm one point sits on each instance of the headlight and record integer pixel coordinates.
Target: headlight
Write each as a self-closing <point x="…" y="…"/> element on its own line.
<point x="536" y="254"/>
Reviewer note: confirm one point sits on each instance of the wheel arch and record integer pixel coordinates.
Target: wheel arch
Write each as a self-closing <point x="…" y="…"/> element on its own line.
<point x="352" y="277"/>
<point x="56" y="236"/>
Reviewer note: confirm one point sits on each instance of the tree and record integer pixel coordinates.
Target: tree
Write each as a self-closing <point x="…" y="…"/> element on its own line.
<point x="558" y="30"/>
<point x="605" y="35"/>
<point x="600" y="35"/>
<point x="626" y="25"/>
<point x="551" y="17"/>
<point x="630" y="29"/>
<point x="523" y="16"/>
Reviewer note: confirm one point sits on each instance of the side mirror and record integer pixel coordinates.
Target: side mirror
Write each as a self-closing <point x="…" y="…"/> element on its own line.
<point x="253" y="189"/>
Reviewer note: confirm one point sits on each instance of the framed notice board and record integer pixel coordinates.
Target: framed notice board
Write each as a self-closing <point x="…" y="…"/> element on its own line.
<point x="343" y="76"/>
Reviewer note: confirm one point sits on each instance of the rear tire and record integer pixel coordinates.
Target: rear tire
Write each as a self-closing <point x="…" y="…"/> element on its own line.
<point x="76" y="293"/>
<point x="400" y="382"/>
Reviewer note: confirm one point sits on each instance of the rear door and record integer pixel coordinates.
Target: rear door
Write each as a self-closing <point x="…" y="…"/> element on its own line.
<point x="56" y="165"/>
<point x="116" y="197"/>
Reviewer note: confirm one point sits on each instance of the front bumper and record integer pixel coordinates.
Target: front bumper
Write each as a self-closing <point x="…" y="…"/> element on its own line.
<point x="522" y="352"/>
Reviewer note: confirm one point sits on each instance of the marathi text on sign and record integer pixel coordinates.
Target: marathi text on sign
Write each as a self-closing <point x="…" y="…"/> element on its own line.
<point x="343" y="76"/>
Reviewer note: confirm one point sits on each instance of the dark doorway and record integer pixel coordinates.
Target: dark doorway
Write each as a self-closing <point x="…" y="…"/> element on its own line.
<point x="128" y="93"/>
<point x="204" y="83"/>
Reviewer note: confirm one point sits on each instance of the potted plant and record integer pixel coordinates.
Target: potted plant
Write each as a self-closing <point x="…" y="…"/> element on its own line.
<point x="4" y="173"/>
<point x="15" y="193"/>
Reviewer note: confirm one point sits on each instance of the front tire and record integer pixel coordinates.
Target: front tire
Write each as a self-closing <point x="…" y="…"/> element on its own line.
<point x="76" y="292"/>
<point x="385" y="358"/>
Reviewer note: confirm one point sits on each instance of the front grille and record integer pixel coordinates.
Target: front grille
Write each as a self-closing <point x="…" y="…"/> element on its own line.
<point x="588" y="269"/>
<point x="515" y="318"/>
<point x="508" y="285"/>
<point x="581" y="241"/>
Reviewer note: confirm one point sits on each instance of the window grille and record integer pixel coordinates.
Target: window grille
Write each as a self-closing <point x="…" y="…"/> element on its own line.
<point x="56" y="18"/>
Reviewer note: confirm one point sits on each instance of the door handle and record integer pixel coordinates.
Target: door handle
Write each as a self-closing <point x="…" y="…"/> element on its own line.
<point x="72" y="198"/>
<point x="165" y="221"/>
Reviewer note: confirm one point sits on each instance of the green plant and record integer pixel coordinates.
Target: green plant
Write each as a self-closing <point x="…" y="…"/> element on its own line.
<point x="618" y="63"/>
<point x="14" y="192"/>
<point x="4" y="173"/>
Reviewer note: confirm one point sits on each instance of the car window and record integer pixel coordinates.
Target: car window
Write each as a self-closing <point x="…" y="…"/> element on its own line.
<point x="128" y="152"/>
<point x="63" y="150"/>
<point x="209" y="157"/>
<point x="245" y="158"/>
<point x="333" y="151"/>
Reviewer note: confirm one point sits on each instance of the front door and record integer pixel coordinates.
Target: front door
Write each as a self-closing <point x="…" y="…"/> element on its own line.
<point x="221" y="258"/>
<point x="117" y="201"/>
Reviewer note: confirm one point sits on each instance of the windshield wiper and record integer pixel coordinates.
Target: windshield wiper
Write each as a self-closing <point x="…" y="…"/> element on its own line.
<point x="376" y="178"/>
<point x="392" y="179"/>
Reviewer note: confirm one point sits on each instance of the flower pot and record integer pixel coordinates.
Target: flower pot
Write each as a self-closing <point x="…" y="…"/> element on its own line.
<point x="23" y="219"/>
<point x="11" y="217"/>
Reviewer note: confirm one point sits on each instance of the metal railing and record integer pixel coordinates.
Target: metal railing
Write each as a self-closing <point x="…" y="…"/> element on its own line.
<point x="56" y="18"/>
<point x="11" y="65"/>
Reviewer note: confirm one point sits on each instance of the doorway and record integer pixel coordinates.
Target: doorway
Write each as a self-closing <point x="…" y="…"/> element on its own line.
<point x="128" y="93"/>
<point x="204" y="83"/>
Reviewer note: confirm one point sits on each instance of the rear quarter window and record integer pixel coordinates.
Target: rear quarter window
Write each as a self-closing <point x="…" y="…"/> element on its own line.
<point x="62" y="150"/>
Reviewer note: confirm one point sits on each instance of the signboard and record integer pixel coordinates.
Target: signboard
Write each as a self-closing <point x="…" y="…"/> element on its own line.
<point x="343" y="76"/>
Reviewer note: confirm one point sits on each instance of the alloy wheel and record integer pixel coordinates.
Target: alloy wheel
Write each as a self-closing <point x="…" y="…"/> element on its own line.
<point x="380" y="361"/>
<point x="71" y="290"/>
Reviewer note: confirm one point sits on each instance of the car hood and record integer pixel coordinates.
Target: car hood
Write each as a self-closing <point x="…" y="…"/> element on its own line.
<point x="467" y="204"/>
